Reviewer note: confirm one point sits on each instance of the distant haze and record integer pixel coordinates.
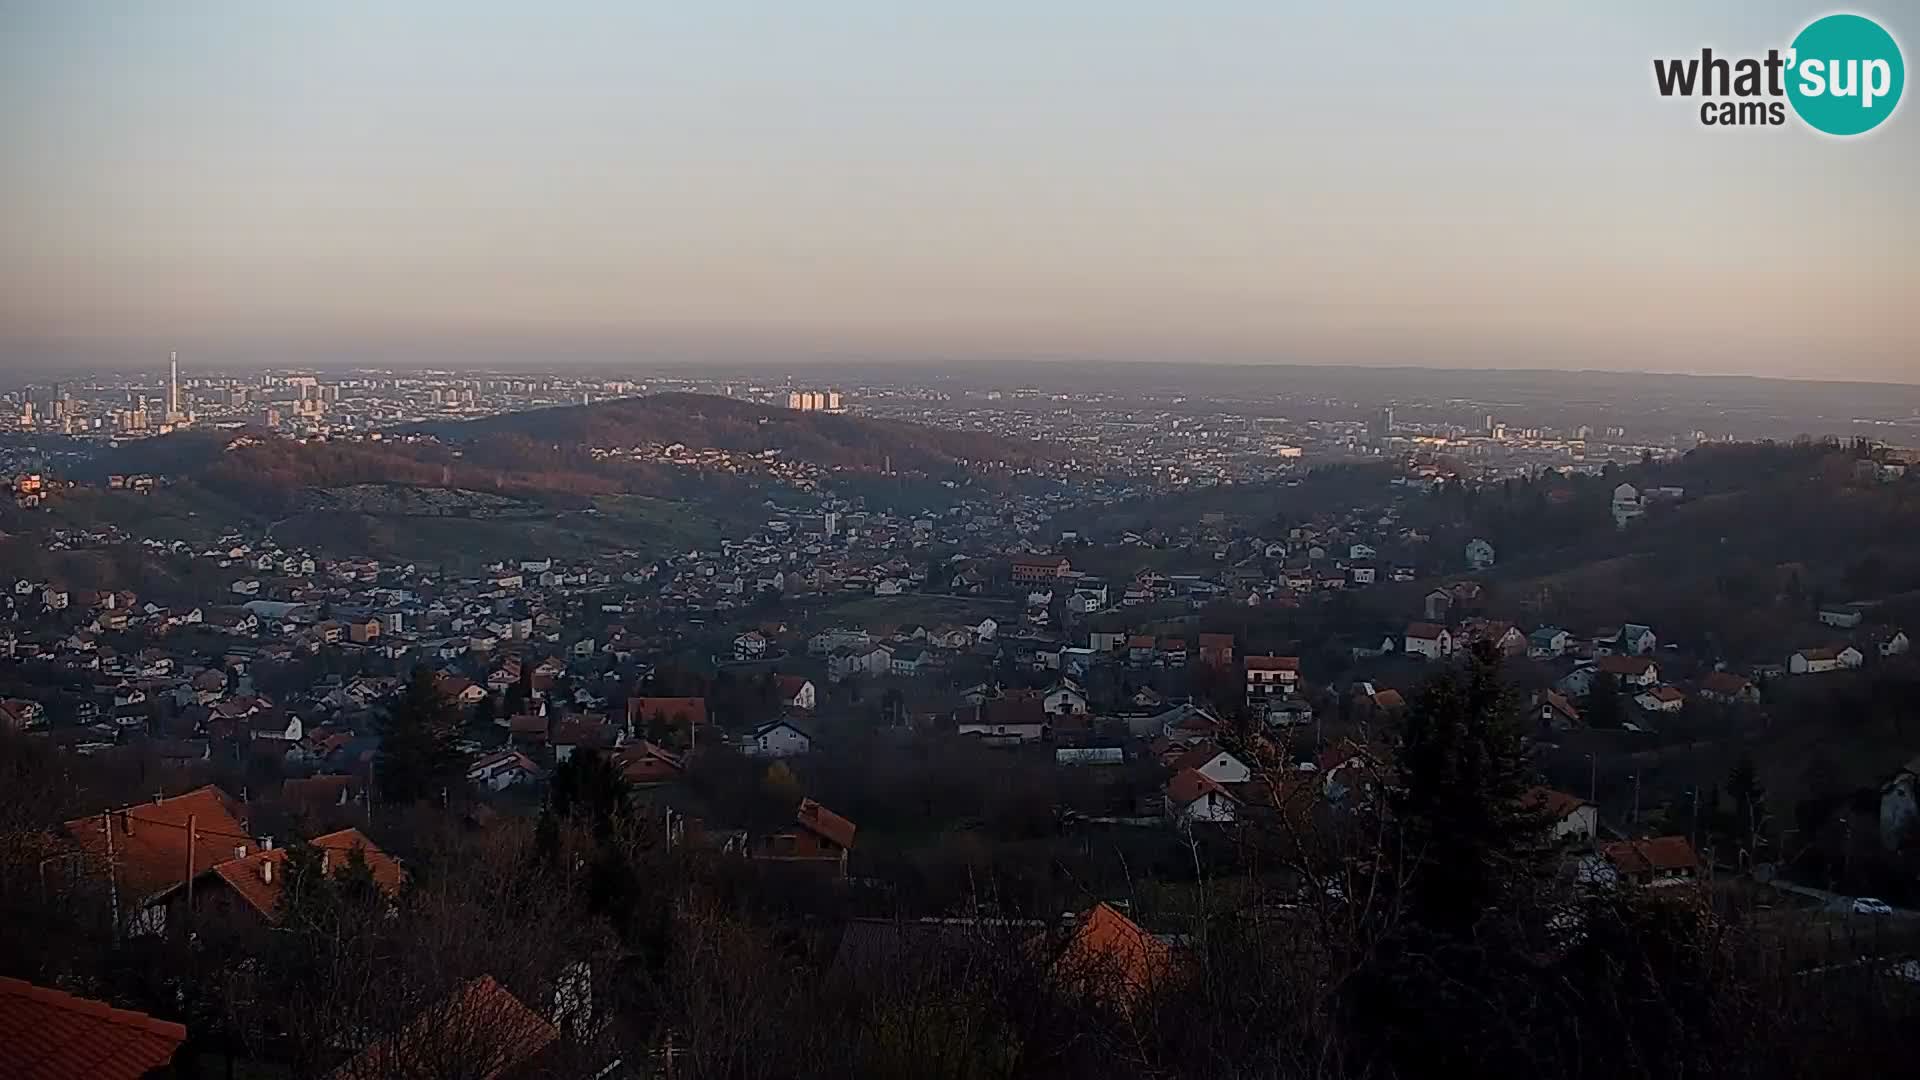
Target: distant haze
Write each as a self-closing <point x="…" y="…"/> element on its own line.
<point x="1462" y="184"/>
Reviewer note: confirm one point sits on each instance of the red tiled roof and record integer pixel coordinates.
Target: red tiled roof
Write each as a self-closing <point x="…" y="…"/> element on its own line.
<point x="641" y="709"/>
<point x="644" y="762"/>
<point x="250" y="877"/>
<point x="481" y="1024"/>
<point x="1189" y="784"/>
<point x="1656" y="853"/>
<point x="790" y="685"/>
<point x="1195" y="757"/>
<point x="825" y="823"/>
<point x="1111" y="951"/>
<point x="149" y="840"/>
<point x="1624" y="665"/>
<point x="1425" y="631"/>
<point x="49" y="1035"/>
<point x="1273" y="663"/>
<point x="1557" y="804"/>
<point x="1725" y="683"/>
<point x="1389" y="699"/>
<point x="1216" y="641"/>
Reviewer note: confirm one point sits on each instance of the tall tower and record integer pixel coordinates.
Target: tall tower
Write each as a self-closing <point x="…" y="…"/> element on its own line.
<point x="173" y="386"/>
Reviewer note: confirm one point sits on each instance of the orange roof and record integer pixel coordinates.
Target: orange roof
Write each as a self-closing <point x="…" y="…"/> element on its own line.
<point x="149" y="840"/>
<point x="50" y="1035"/>
<point x="825" y="823"/>
<point x="1656" y="853"/>
<point x="1111" y="950"/>
<point x="645" y="762"/>
<point x="1196" y="757"/>
<point x="1189" y="784"/>
<point x="1557" y="804"/>
<point x="1273" y="663"/>
<point x="1389" y="699"/>
<point x="250" y="876"/>
<point x="1724" y="682"/>
<point x="1216" y="641"/>
<point x="790" y="685"/>
<point x="1425" y="631"/>
<point x="1624" y="665"/>
<point x="641" y="709"/>
<point x="481" y="1024"/>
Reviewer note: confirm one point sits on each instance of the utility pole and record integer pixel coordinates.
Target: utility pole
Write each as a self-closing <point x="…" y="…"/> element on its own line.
<point x="1635" y="819"/>
<point x="113" y="877"/>
<point x="193" y="836"/>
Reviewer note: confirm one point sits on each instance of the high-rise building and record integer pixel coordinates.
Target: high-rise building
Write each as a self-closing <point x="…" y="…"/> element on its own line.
<point x="173" y="386"/>
<point x="1380" y="428"/>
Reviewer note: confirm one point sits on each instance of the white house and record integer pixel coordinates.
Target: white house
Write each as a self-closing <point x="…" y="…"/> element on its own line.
<point x="1191" y="797"/>
<point x="1820" y="661"/>
<point x="796" y="691"/>
<point x="1361" y="551"/>
<point x="870" y="660"/>
<point x="1548" y="642"/>
<point x="501" y="770"/>
<point x="1480" y="554"/>
<point x="1897" y="645"/>
<point x="751" y="645"/>
<point x="907" y="661"/>
<point x="1064" y="697"/>
<point x="1627" y="505"/>
<point x="986" y="630"/>
<point x="1573" y="818"/>
<point x="1661" y="699"/>
<point x="1428" y="640"/>
<point x="1213" y="763"/>
<point x="778" y="739"/>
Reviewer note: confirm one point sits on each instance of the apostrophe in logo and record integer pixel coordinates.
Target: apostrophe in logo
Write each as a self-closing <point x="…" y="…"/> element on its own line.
<point x="1846" y="74"/>
<point x="1842" y="75"/>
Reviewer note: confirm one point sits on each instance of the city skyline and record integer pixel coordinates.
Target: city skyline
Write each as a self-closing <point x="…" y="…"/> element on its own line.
<point x="1492" y="187"/>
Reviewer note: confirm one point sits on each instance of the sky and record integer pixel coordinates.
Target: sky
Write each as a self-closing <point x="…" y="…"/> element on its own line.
<point x="1467" y="184"/>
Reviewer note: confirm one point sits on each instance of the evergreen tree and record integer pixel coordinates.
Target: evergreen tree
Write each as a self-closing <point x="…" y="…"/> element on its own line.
<point x="1750" y="820"/>
<point x="1603" y="702"/>
<point x="1466" y="837"/>
<point x="417" y="759"/>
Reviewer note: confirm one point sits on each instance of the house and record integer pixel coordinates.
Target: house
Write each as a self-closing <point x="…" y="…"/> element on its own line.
<point x="1548" y="642"/>
<point x="777" y="738"/>
<point x="1437" y="604"/>
<point x="1140" y="649"/>
<point x="1213" y="763"/>
<point x="49" y="1033"/>
<point x="1661" y="699"/>
<point x="150" y="847"/>
<point x="1191" y="797"/>
<point x="1897" y="645"/>
<point x="461" y="690"/>
<point x="673" y="712"/>
<point x="480" y="1023"/>
<point x="1480" y="554"/>
<point x="1064" y="697"/>
<point x="252" y="884"/>
<point x="581" y="733"/>
<point x="1110" y="958"/>
<point x="1627" y="505"/>
<point x="502" y="769"/>
<point x="1039" y="568"/>
<point x="907" y="661"/>
<point x="646" y="764"/>
<point x="1430" y="640"/>
<point x="1573" y="818"/>
<point x="751" y="645"/>
<point x="1557" y="713"/>
<point x="1008" y="720"/>
<point x="274" y="725"/>
<point x="1270" y="677"/>
<point x="1843" y="616"/>
<point x="867" y="660"/>
<point x="1659" y="860"/>
<point x="1726" y="688"/>
<point x="818" y="834"/>
<point x="1900" y="806"/>
<point x="1823" y="660"/>
<point x="1637" y="671"/>
<point x="1216" y="650"/>
<point x="1637" y="640"/>
<point x="986" y="630"/>
<point x="794" y="691"/>
<point x="362" y="631"/>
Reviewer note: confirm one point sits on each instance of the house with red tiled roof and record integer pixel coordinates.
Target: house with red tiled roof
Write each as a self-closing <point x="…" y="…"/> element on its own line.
<point x="645" y="764"/>
<point x="481" y="1025"/>
<point x="1110" y="957"/>
<point x="678" y="713"/>
<point x="1210" y="761"/>
<point x="1659" y="860"/>
<point x="1573" y="818"/>
<point x="1726" y="688"/>
<point x="251" y="886"/>
<point x="819" y="835"/>
<point x="1431" y="640"/>
<point x="1271" y="677"/>
<point x="147" y="848"/>
<point x="1638" y="671"/>
<point x="1192" y="796"/>
<point x="794" y="691"/>
<point x="46" y="1034"/>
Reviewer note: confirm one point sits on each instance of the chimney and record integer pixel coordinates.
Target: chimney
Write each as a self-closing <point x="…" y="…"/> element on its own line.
<point x="266" y="871"/>
<point x="266" y="843"/>
<point x="126" y="823"/>
<point x="239" y="851"/>
<point x="158" y="798"/>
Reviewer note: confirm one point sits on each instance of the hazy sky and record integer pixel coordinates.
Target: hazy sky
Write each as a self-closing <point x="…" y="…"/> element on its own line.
<point x="1455" y="184"/>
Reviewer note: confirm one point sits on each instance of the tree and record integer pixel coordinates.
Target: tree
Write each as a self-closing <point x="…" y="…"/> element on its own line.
<point x="1603" y="702"/>
<point x="417" y="759"/>
<point x="1466" y="837"/>
<point x="483" y="712"/>
<point x="1751" y="823"/>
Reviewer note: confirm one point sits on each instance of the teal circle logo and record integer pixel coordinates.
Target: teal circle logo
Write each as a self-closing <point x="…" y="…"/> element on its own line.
<point x="1845" y="74"/>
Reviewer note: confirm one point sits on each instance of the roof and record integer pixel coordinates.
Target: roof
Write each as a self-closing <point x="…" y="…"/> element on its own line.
<point x="1725" y="682"/>
<point x="1665" y="693"/>
<point x="1425" y="631"/>
<point x="825" y="823"/>
<point x="1389" y="699"/>
<point x="50" y="1035"/>
<point x="791" y="685"/>
<point x="694" y="709"/>
<point x="1654" y="854"/>
<point x="1196" y="757"/>
<point x="645" y="762"/>
<point x="149" y="841"/>
<point x="481" y="1023"/>
<point x="1216" y="641"/>
<point x="1189" y="784"/>
<point x="1273" y="663"/>
<point x="249" y="876"/>
<point x="1556" y="803"/>
<point x="313" y="792"/>
<point x="1624" y="665"/>
<point x="1112" y="949"/>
